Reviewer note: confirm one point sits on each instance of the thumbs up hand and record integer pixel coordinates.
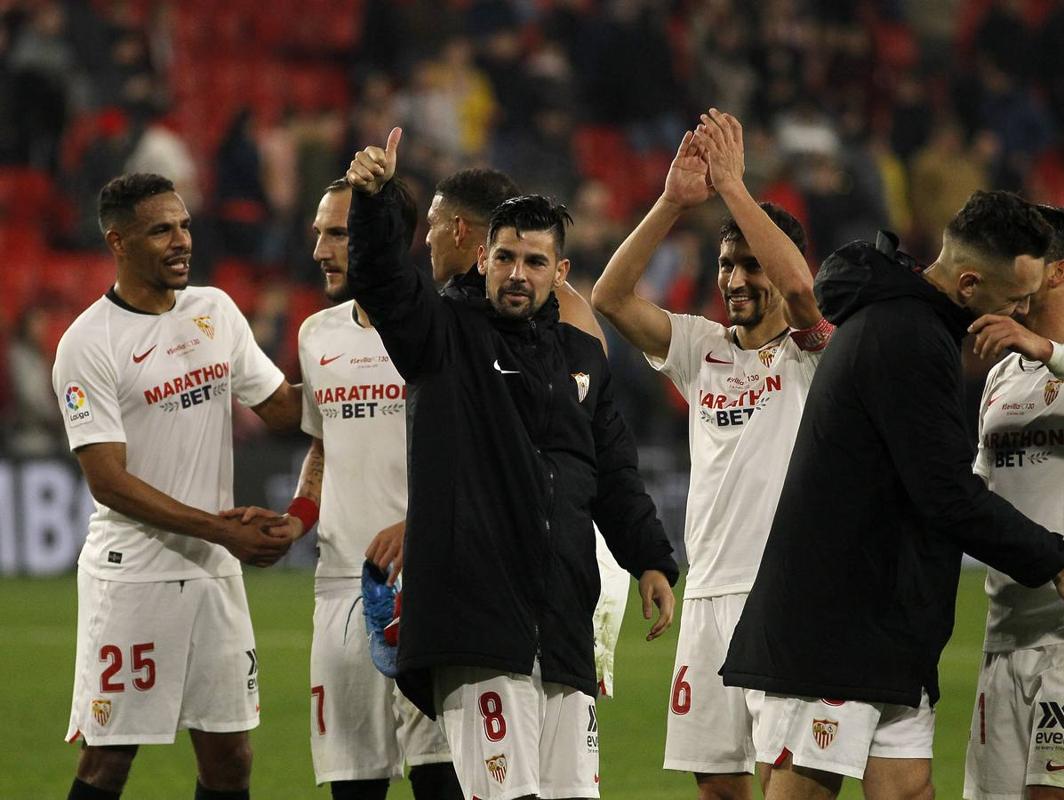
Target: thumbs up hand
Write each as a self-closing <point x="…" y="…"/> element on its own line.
<point x="373" y="167"/>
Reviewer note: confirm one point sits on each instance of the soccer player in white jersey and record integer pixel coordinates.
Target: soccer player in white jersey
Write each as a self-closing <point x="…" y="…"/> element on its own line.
<point x="354" y="408"/>
<point x="746" y="387"/>
<point x="1016" y="747"/>
<point x="145" y="379"/>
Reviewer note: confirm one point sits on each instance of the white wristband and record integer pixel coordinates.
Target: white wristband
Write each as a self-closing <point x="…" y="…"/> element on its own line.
<point x="1056" y="361"/>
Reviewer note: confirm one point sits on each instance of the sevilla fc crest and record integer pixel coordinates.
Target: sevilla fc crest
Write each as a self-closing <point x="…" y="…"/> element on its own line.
<point x="204" y="324"/>
<point x="824" y="731"/>
<point x="101" y="711"/>
<point x="1052" y="390"/>
<point x="583" y="383"/>
<point x="767" y="355"/>
<point x="496" y="767"/>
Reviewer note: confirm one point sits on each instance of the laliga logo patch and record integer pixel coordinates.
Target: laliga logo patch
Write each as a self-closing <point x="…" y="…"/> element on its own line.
<point x="204" y="324"/>
<point x="78" y="409"/>
<point x="767" y="355"/>
<point x="583" y="383"/>
<point x="824" y="731"/>
<point x="101" y="711"/>
<point x="496" y="767"/>
<point x="1051" y="390"/>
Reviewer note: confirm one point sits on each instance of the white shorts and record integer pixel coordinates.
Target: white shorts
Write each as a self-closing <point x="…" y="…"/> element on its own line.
<point x="359" y="730"/>
<point x="609" y="613"/>
<point x="156" y="658"/>
<point x="1017" y="736"/>
<point x="709" y="724"/>
<point x="514" y="735"/>
<point x="840" y="736"/>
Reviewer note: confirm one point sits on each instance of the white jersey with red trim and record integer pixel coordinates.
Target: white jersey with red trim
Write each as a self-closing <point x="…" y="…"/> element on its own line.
<point x="355" y="401"/>
<point x="161" y="384"/>
<point x="745" y="406"/>
<point x="1021" y="457"/>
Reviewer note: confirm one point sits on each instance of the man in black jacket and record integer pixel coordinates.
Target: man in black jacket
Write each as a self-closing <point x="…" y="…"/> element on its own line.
<point x="514" y="447"/>
<point x="855" y="596"/>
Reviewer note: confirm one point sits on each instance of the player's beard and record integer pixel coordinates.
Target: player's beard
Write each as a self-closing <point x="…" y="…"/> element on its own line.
<point x="751" y="313"/>
<point x="505" y="309"/>
<point x="337" y="289"/>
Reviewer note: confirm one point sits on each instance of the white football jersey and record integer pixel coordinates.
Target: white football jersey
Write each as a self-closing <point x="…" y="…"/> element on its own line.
<point x="162" y="384"/>
<point x="354" y="401"/>
<point x="1021" y="457"/>
<point x="745" y="406"/>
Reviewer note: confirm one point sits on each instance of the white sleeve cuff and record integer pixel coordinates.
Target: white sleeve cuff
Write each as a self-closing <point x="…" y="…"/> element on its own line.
<point x="1056" y="361"/>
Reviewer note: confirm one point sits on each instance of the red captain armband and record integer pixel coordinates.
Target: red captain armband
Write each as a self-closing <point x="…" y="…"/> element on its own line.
<point x="814" y="339"/>
<point x="305" y="510"/>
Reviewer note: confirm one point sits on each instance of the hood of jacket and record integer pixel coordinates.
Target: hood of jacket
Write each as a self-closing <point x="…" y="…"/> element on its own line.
<point x="861" y="273"/>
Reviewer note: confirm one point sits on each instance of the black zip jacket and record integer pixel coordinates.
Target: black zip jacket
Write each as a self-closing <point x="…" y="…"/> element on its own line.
<point x="514" y="446"/>
<point x="855" y="596"/>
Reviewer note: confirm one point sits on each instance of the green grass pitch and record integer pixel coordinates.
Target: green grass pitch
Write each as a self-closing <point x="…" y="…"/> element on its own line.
<point x="36" y="662"/>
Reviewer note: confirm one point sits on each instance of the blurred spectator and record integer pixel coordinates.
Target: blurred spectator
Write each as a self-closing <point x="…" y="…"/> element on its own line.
<point x="594" y="235"/>
<point x="942" y="176"/>
<point x="241" y="211"/>
<point x="1015" y="116"/>
<point x="642" y="95"/>
<point x="160" y="148"/>
<point x="539" y="157"/>
<point x="912" y="116"/>
<point x="42" y="68"/>
<point x="37" y="429"/>
<point x="279" y="152"/>
<point x="106" y="151"/>
<point x="722" y="68"/>
<point x="319" y="136"/>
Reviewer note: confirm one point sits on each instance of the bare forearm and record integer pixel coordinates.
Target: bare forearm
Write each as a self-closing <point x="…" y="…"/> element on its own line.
<point x="129" y="495"/>
<point x="625" y="269"/>
<point x="640" y="321"/>
<point x="312" y="473"/>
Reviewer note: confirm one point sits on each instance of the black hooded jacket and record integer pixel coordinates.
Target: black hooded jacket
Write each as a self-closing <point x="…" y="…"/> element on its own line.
<point x="514" y="446"/>
<point x="855" y="596"/>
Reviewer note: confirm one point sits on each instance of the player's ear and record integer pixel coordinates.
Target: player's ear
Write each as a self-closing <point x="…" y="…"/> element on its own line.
<point x="482" y="259"/>
<point x="114" y="242"/>
<point x="562" y="273"/>
<point x="461" y="231"/>
<point x="1055" y="274"/>
<point x="966" y="284"/>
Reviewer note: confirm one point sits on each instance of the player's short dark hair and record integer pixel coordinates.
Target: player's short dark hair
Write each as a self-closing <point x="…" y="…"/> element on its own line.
<point x="785" y="221"/>
<point x="1055" y="217"/>
<point x="477" y="191"/>
<point x="1001" y="226"/>
<point x="407" y="205"/>
<point x="119" y="197"/>
<point x="531" y="212"/>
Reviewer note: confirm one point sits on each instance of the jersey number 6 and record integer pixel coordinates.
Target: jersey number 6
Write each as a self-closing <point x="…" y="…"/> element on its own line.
<point x="681" y="693"/>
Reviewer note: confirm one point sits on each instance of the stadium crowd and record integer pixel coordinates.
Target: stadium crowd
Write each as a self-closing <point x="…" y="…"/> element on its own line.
<point x="859" y="114"/>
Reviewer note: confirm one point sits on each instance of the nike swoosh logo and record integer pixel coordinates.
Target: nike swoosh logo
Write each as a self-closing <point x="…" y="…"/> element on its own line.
<point x="1051" y="767"/>
<point x="992" y="400"/>
<point x="137" y="359"/>
<point x="711" y="360"/>
<point x="505" y="371"/>
<point x="326" y="361"/>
